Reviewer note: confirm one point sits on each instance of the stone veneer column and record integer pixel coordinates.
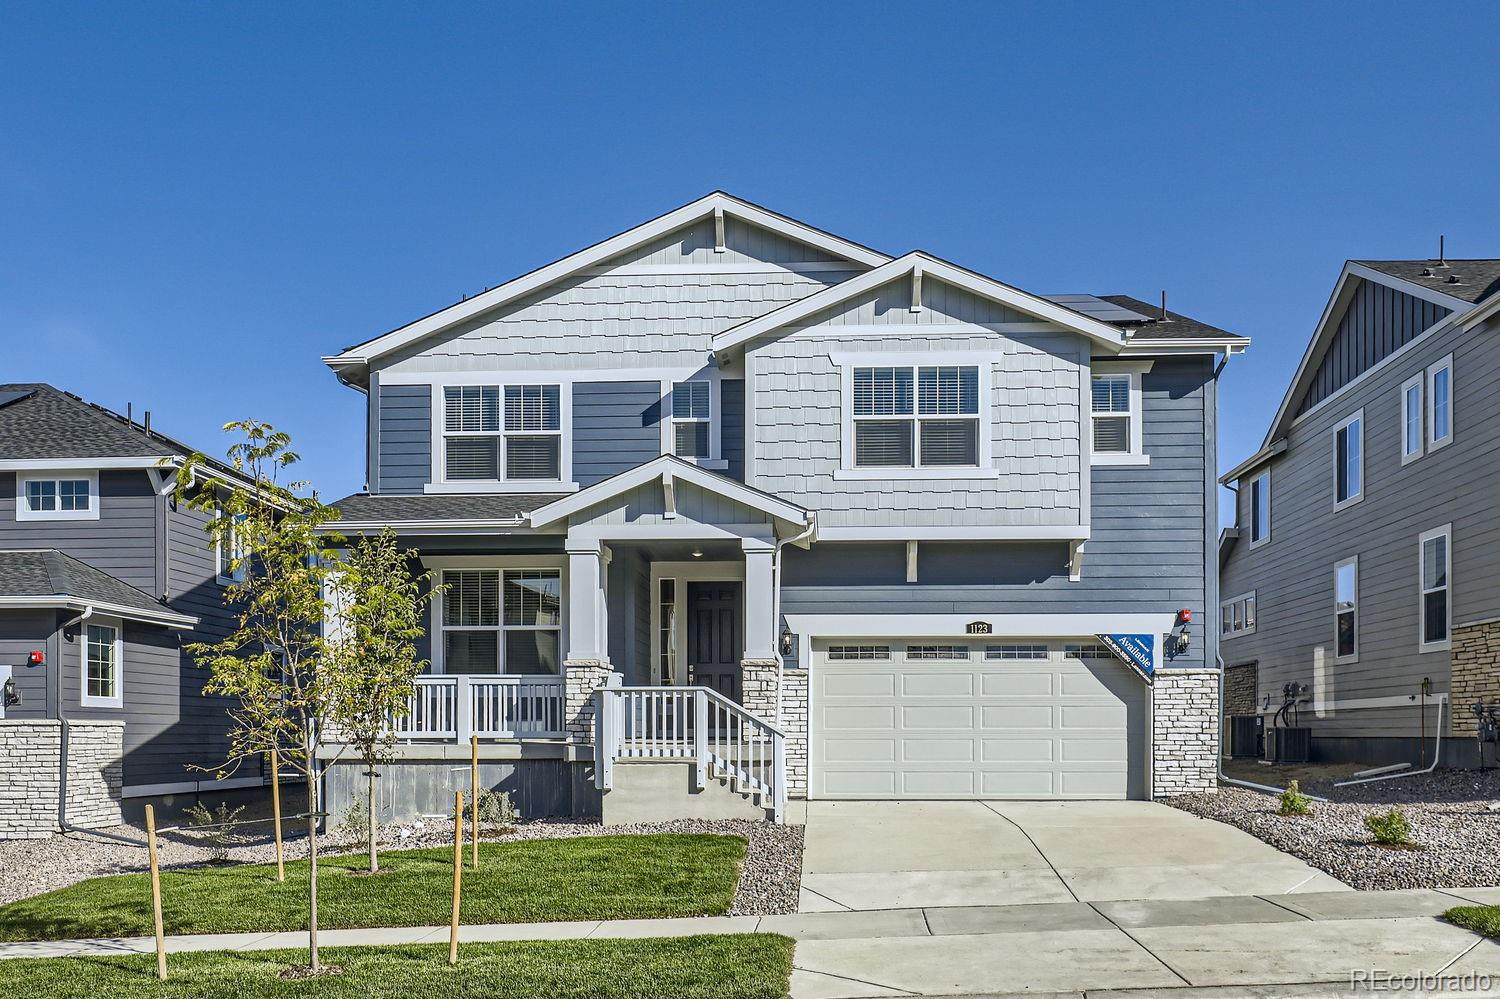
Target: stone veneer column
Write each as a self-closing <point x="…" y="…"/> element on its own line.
<point x="30" y="754"/>
<point x="581" y="677"/>
<point x="1185" y="732"/>
<point x="1475" y="659"/>
<point x="758" y="687"/>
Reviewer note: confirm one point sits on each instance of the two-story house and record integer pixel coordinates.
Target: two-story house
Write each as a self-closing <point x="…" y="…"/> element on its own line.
<point x="730" y="481"/>
<point x="103" y="578"/>
<point x="1359" y="568"/>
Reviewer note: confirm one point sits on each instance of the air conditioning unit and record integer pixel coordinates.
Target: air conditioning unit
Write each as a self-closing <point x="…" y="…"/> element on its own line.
<point x="1244" y="737"/>
<point x="1288" y="745"/>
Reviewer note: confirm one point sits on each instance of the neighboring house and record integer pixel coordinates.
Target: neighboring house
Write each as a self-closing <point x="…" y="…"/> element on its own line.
<point x="105" y="575"/>
<point x="1362" y="561"/>
<point x="884" y="505"/>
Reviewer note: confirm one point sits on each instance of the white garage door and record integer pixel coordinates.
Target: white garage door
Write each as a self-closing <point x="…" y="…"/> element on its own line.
<point x="1019" y="719"/>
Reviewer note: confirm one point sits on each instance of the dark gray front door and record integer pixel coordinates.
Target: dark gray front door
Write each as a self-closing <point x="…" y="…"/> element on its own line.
<point x="714" y="642"/>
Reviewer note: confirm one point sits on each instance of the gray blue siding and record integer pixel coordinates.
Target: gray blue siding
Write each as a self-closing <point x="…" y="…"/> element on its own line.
<point x="122" y="542"/>
<point x="732" y="425"/>
<point x="404" y="438"/>
<point x="616" y="426"/>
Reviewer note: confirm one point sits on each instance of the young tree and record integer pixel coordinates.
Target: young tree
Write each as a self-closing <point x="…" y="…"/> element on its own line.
<point x="371" y="664"/>
<point x="270" y="534"/>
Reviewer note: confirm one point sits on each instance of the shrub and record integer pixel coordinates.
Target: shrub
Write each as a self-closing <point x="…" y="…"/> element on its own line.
<point x="355" y="824"/>
<point x="1294" y="802"/>
<point x="496" y="811"/>
<point x="1389" y="828"/>
<point x="220" y="836"/>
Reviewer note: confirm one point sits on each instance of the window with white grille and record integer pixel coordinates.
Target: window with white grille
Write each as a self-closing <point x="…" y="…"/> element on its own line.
<point x="855" y="653"/>
<point x="692" y="419"/>
<point x="493" y="433"/>
<point x="1087" y="651"/>
<point x="937" y="652"/>
<point x="917" y="416"/>
<point x="1016" y="652"/>
<point x="502" y="621"/>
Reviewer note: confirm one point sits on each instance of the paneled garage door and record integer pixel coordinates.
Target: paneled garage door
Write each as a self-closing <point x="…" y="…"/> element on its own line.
<point x="1019" y="719"/>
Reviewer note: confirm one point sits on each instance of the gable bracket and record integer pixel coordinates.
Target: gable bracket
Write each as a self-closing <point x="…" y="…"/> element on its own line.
<point x="718" y="230"/>
<point x="669" y="496"/>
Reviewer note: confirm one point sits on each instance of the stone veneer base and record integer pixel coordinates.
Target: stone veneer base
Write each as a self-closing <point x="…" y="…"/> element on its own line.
<point x="30" y="756"/>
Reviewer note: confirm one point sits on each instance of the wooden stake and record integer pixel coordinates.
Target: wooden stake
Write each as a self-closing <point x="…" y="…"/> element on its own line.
<point x="474" y="798"/>
<point x="458" y="872"/>
<point x="276" y="811"/>
<point x="161" y="940"/>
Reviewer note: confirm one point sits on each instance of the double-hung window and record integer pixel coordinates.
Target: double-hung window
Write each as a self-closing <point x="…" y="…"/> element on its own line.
<point x="1349" y="461"/>
<point x="1115" y="414"/>
<point x="1440" y="403"/>
<point x="502" y="621"/>
<point x="1435" y="557"/>
<point x="916" y="417"/>
<point x="229" y="551"/>
<point x="484" y="443"/>
<point x="692" y="420"/>
<point x="71" y="496"/>
<point x="1413" y="419"/>
<point x="1346" y="610"/>
<point x="1260" y="508"/>
<point x="103" y="665"/>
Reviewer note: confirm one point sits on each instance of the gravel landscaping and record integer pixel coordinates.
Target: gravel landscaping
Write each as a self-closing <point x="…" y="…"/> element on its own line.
<point x="768" y="880"/>
<point x="1450" y="816"/>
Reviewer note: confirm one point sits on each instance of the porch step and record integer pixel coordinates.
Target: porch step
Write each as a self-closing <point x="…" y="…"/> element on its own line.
<point x="662" y="790"/>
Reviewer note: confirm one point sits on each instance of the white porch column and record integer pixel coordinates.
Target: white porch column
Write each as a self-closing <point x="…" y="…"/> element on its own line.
<point x="588" y="626"/>
<point x="760" y="602"/>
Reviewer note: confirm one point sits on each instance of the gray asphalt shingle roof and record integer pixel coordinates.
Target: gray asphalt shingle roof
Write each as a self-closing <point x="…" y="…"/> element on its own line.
<point x="1175" y="327"/>
<point x="1477" y="279"/>
<point x="364" y="508"/>
<point x="48" y="572"/>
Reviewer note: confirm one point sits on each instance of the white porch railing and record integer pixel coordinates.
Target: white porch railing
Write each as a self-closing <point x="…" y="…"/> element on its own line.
<point x="453" y="708"/>
<point x="723" y="740"/>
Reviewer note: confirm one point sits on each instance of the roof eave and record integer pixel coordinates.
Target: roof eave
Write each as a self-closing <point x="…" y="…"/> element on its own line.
<point x="63" y="601"/>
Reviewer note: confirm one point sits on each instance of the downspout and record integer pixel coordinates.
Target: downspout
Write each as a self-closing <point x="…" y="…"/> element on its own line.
<point x="65" y="732"/>
<point x="812" y="526"/>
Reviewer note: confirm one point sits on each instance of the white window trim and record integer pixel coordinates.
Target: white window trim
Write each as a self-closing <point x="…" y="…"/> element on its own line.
<point x="715" y="459"/>
<point x="1359" y="417"/>
<point x="500" y="564"/>
<point x="84" y="699"/>
<point x="1265" y="502"/>
<point x="223" y="578"/>
<point x="1352" y="657"/>
<point x="1137" y="454"/>
<point x="1417" y="382"/>
<point x="24" y="512"/>
<point x="1246" y="597"/>
<point x="1445" y="364"/>
<point x="846" y="363"/>
<point x="439" y="478"/>
<point x="1445" y="532"/>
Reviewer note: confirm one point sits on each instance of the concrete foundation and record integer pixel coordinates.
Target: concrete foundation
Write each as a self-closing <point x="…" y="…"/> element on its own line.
<point x="652" y="791"/>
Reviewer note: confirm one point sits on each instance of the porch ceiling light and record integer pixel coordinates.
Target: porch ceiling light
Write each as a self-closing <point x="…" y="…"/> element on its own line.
<point x="697" y="553"/>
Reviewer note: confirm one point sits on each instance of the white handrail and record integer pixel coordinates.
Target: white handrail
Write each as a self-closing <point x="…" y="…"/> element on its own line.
<point x="453" y="708"/>
<point x="720" y="737"/>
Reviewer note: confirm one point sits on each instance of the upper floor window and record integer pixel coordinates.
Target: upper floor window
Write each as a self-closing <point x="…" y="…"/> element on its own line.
<point x="103" y="656"/>
<point x="71" y="496"/>
<point x="1346" y="610"/>
<point x="1413" y="419"/>
<point x="1237" y="615"/>
<point x="229" y="551"/>
<point x="1434" y="558"/>
<point x="1349" y="461"/>
<point x="692" y="419"/>
<point x="482" y="443"/>
<point x="1260" y="508"/>
<point x="908" y="417"/>
<point x="1115" y="415"/>
<point x="1440" y="403"/>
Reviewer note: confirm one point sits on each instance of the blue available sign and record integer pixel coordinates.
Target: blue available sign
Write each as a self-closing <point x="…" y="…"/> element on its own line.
<point x="1137" y="650"/>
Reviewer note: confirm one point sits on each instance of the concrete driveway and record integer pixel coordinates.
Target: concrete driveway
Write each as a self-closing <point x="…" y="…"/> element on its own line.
<point x="891" y="855"/>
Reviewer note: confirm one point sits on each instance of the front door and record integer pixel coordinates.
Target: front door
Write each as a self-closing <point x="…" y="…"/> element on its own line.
<point x="714" y="641"/>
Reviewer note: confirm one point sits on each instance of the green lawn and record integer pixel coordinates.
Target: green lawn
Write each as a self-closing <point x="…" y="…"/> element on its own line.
<point x="590" y="877"/>
<point x="742" y="966"/>
<point x="1479" y="918"/>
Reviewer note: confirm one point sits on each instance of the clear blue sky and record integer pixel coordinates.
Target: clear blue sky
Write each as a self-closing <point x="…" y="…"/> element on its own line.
<point x="197" y="201"/>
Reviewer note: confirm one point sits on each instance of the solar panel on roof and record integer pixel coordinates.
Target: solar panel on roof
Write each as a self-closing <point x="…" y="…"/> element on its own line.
<point x="1097" y="308"/>
<point x="6" y="398"/>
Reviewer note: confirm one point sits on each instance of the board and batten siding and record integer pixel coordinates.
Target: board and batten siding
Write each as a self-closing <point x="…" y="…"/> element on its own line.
<point x="404" y="438"/>
<point x="616" y="426"/>
<point x="656" y="307"/>
<point x="1146" y="553"/>
<point x="1292" y="574"/>
<point x="732" y="426"/>
<point x="121" y="542"/>
<point x="1035" y="417"/>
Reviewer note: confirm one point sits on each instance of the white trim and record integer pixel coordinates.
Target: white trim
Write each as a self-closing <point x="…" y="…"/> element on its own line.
<point x="495" y="487"/>
<point x="62" y="601"/>
<point x="653" y="470"/>
<point x="593" y="255"/>
<point x="1357" y="416"/>
<point x="85" y="699"/>
<point x="438" y="481"/>
<point x="220" y="576"/>
<point x="983" y="361"/>
<point x="823" y="626"/>
<point x="1137" y="454"/>
<point x="1071" y="321"/>
<point x="535" y="376"/>
<point x="1446" y="533"/>
<point x="1061" y="532"/>
<point x="1250" y="464"/>
<point x="57" y="478"/>
<point x="1352" y="657"/>
<point x="82" y="464"/>
<point x="1265" y="502"/>
<point x="683" y="573"/>
<point x="722" y="267"/>
<point x="1249" y="618"/>
<point x="713" y="378"/>
<point x="1409" y="455"/>
<point x="499" y="564"/>
<point x="1442" y="364"/>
